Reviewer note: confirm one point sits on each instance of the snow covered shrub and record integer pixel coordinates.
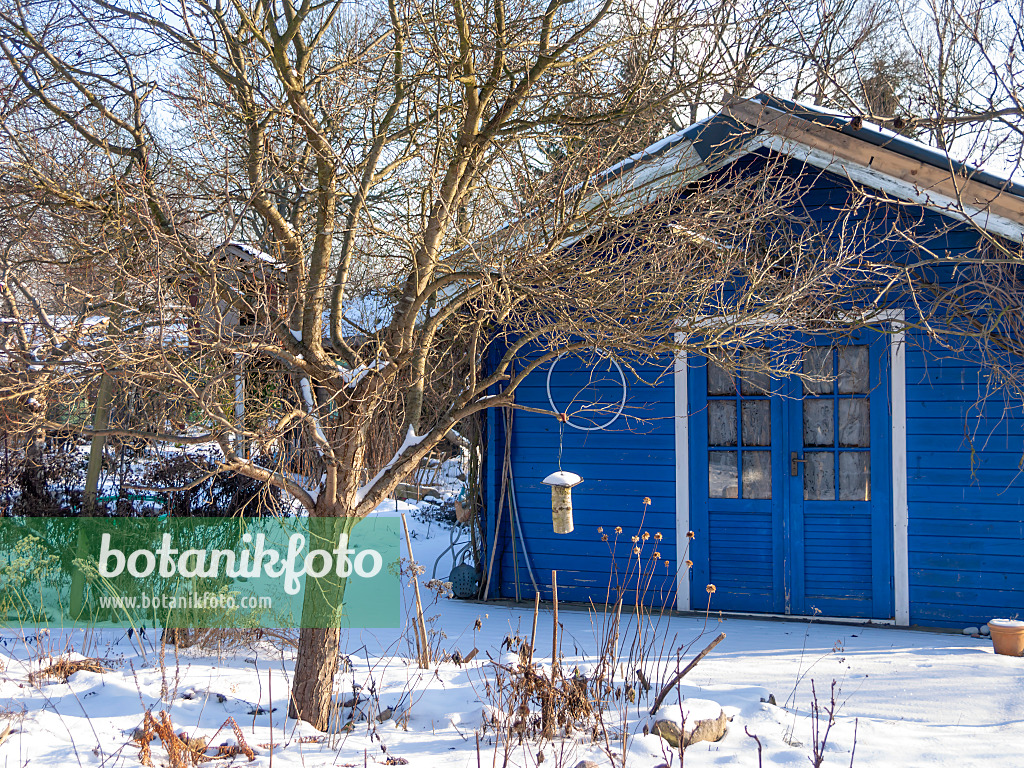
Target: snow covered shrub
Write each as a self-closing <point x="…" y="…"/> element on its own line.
<point x="433" y="510"/>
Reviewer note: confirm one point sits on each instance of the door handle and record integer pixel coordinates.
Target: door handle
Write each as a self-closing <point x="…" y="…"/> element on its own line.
<point x="794" y="470"/>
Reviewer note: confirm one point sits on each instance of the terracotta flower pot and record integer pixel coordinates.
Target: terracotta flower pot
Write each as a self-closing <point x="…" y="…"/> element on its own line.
<point x="1007" y="636"/>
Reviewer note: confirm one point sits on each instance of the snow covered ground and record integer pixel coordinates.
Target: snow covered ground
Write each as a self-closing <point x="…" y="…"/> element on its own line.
<point x="913" y="698"/>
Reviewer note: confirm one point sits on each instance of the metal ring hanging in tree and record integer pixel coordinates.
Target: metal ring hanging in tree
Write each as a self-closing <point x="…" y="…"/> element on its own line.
<point x="568" y="417"/>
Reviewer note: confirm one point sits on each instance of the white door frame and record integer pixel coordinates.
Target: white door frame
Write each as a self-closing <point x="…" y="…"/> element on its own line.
<point x="898" y="406"/>
<point x="682" y="439"/>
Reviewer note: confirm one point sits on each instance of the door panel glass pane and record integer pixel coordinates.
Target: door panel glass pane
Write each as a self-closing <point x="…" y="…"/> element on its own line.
<point x="722" y="422"/>
<point x="855" y="475"/>
<point x="818" y="366"/>
<point x="854" y="423"/>
<point x="719" y="382"/>
<point x="757" y="474"/>
<point x="757" y="423"/>
<point x="723" y="475"/>
<point x="853" y="370"/>
<point x="819" y="428"/>
<point x="819" y="476"/>
<point x="754" y="380"/>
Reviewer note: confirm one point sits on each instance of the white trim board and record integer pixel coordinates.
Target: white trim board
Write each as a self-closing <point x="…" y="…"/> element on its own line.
<point x="898" y="460"/>
<point x="900" y="517"/>
<point x="682" y="445"/>
<point x="883" y="182"/>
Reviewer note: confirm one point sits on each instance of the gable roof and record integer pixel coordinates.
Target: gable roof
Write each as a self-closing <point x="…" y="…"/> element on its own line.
<point x="849" y="146"/>
<point x="883" y="137"/>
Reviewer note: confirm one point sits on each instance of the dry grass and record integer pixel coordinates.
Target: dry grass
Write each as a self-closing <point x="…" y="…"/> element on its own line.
<point x="62" y="669"/>
<point x="541" y="702"/>
<point x="227" y="641"/>
<point x="184" y="751"/>
<point x="213" y="639"/>
<point x="603" y="698"/>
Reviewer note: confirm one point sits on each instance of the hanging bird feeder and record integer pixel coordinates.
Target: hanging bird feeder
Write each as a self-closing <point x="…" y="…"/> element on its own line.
<point x="561" y="499"/>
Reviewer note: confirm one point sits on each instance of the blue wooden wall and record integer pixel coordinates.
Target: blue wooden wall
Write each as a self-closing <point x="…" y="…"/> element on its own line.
<point x="965" y="490"/>
<point x="632" y="459"/>
<point x="965" y="459"/>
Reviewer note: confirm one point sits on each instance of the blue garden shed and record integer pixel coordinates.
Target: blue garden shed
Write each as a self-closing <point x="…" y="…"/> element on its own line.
<point x="887" y="489"/>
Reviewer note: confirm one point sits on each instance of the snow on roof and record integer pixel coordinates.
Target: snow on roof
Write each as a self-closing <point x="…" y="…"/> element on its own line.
<point x="369" y="312"/>
<point x="701" y="148"/>
<point x="895" y="142"/>
<point x="720" y="133"/>
<point x="253" y="253"/>
<point x="713" y="143"/>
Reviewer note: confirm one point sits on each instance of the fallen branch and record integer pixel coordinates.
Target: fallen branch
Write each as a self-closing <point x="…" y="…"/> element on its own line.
<point x="680" y="675"/>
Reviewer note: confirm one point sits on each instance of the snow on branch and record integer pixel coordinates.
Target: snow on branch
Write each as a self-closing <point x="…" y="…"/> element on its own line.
<point x="411" y="439"/>
<point x="352" y="376"/>
<point x="307" y="397"/>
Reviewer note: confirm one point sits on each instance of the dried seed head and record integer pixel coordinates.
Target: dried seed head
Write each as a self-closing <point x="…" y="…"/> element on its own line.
<point x="647" y="501"/>
<point x="646" y="536"/>
<point x="689" y="563"/>
<point x="657" y="555"/>
<point x="657" y="537"/>
<point x="711" y="589"/>
<point x="604" y="537"/>
<point x="600" y="529"/>
<point x="689" y="534"/>
<point x="618" y="529"/>
<point x="636" y="550"/>
<point x="634" y="539"/>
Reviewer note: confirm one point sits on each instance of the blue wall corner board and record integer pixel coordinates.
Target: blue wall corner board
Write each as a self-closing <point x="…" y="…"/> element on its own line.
<point x="889" y="488"/>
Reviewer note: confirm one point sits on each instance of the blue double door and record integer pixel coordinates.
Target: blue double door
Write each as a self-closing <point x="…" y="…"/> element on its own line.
<point x="790" y="479"/>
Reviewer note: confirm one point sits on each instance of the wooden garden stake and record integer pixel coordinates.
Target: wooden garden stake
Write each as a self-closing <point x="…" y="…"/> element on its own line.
<point x="554" y="628"/>
<point x="422" y="648"/>
<point x="533" y="632"/>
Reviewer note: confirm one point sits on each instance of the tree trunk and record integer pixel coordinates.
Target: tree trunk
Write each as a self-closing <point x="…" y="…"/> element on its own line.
<point x="100" y="421"/>
<point x="34" y="475"/>
<point x="316" y="662"/>
<point x="414" y="405"/>
<point x="313" y="684"/>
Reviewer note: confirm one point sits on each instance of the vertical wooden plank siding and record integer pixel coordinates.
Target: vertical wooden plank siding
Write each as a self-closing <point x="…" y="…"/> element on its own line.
<point x="634" y="458"/>
<point x="965" y="445"/>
